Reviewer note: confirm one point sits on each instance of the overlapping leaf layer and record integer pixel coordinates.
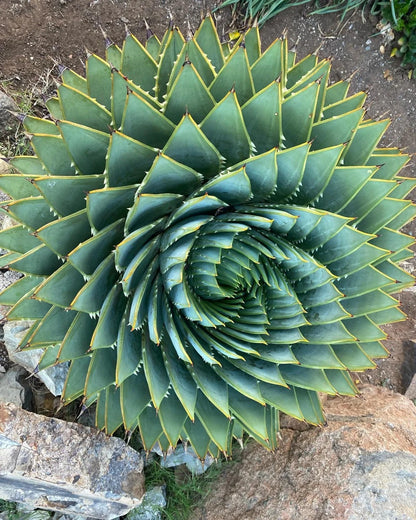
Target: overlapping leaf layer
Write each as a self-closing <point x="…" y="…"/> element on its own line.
<point x="209" y="234"/>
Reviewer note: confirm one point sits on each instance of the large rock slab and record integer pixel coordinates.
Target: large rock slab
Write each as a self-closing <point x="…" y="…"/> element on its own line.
<point x="361" y="465"/>
<point x="51" y="464"/>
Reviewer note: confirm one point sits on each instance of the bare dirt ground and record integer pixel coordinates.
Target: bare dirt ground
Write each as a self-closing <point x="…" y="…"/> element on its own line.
<point x="37" y="35"/>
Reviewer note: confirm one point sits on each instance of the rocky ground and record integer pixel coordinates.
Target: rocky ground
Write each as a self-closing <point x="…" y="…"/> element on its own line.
<point x="38" y="35"/>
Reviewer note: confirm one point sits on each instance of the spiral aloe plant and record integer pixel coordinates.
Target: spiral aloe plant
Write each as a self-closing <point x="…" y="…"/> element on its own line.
<point x="209" y="234"/>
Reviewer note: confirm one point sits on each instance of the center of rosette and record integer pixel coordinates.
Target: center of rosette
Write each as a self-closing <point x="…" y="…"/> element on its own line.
<point x="233" y="274"/>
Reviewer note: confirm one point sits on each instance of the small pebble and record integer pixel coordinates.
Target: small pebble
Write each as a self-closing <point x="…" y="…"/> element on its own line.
<point x="387" y="75"/>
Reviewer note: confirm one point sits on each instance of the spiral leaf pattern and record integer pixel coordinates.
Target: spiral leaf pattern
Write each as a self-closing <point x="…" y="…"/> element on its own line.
<point x="209" y="234"/>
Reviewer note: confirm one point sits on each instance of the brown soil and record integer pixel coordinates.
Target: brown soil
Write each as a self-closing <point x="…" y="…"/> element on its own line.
<point x="37" y="35"/>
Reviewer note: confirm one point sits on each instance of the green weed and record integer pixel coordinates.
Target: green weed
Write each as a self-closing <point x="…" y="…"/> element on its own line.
<point x="29" y="101"/>
<point x="10" y="508"/>
<point x="400" y="14"/>
<point x="183" y="489"/>
<point x="263" y="10"/>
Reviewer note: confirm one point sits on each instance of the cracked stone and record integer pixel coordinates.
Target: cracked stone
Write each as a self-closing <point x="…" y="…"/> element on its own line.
<point x="51" y="464"/>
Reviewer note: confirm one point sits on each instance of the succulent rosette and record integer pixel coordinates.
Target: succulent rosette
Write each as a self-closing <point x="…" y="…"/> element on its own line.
<point x="209" y="234"/>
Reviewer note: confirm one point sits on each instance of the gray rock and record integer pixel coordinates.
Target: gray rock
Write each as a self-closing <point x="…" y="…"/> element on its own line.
<point x="182" y="455"/>
<point x="26" y="513"/>
<point x="411" y="389"/>
<point x="52" y="377"/>
<point x="4" y="359"/>
<point x="154" y="501"/>
<point x="6" y="220"/>
<point x="11" y="391"/>
<point x="24" y="509"/>
<point x="385" y="485"/>
<point x="51" y="464"/>
<point x="7" y="120"/>
<point x="36" y="515"/>
<point x="63" y="516"/>
<point x="4" y="309"/>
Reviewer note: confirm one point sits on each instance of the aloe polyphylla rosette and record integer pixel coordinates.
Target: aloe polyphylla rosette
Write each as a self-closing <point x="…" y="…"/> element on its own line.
<point x="209" y="235"/>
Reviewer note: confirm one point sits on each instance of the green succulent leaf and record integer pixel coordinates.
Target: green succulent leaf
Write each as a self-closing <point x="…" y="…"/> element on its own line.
<point x="189" y="146"/>
<point x="224" y="127"/>
<point x="55" y="190"/>
<point x="88" y="147"/>
<point x="40" y="261"/>
<point x="98" y="74"/>
<point x="35" y="125"/>
<point x="77" y="340"/>
<point x="20" y="186"/>
<point x="137" y="64"/>
<point x="269" y="65"/>
<point x="79" y="108"/>
<point x="72" y="79"/>
<point x="263" y="118"/>
<point x="143" y="122"/>
<point x="53" y="154"/>
<point x="207" y="38"/>
<point x="188" y="94"/>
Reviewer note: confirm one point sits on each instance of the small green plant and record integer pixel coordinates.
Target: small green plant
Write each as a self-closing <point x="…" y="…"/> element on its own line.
<point x="10" y="508"/>
<point x="182" y="494"/>
<point x="13" y="513"/>
<point x="16" y="142"/>
<point x="209" y="234"/>
<point x="346" y="6"/>
<point x="263" y="10"/>
<point x="258" y="10"/>
<point x="402" y="16"/>
<point x="29" y="101"/>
